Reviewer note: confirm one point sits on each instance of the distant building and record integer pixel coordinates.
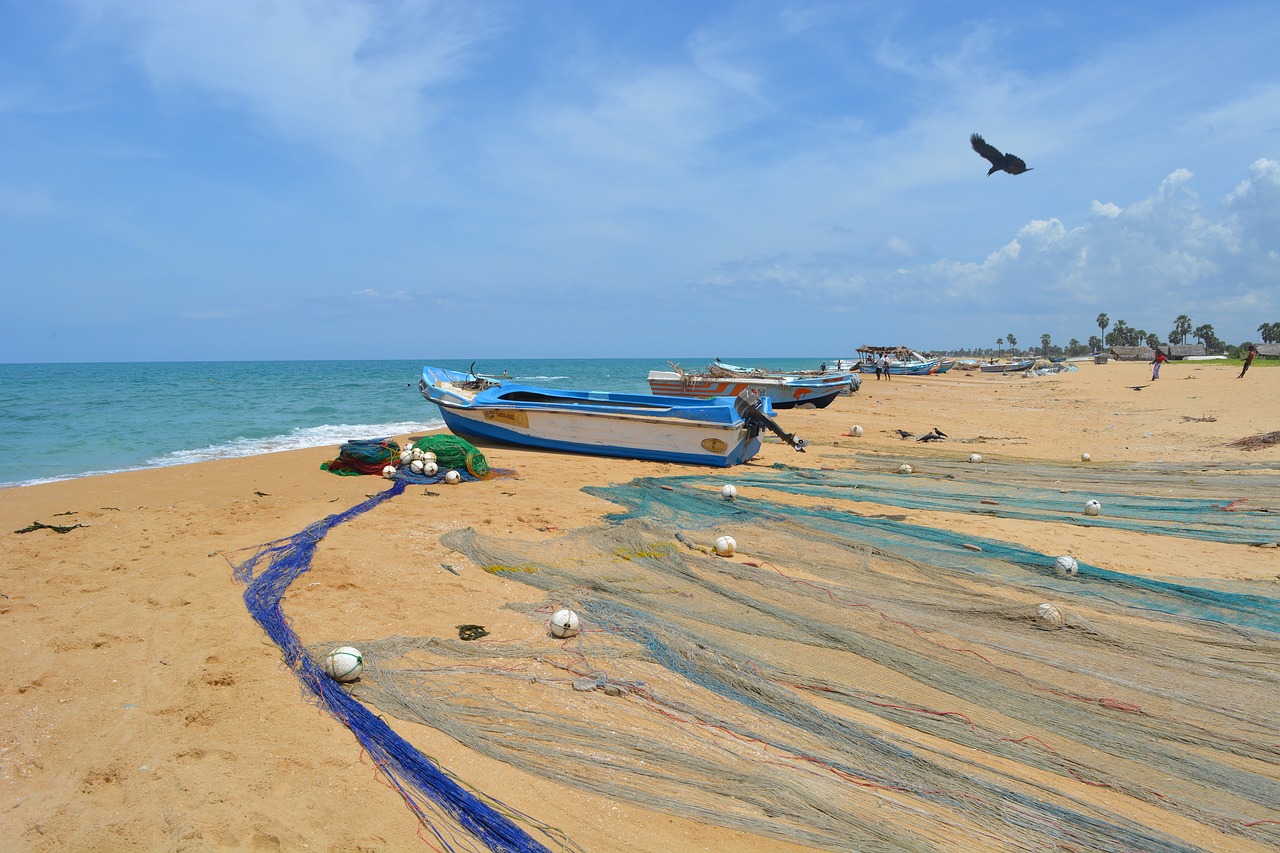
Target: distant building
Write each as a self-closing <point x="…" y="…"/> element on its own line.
<point x="1183" y="350"/>
<point x="1269" y="350"/>
<point x="1133" y="353"/>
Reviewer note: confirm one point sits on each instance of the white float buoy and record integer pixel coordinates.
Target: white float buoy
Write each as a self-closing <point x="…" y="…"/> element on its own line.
<point x="729" y="492"/>
<point x="564" y="623"/>
<point x="416" y="466"/>
<point x="406" y="457"/>
<point x="415" y="452"/>
<point x="429" y="467"/>
<point x="389" y="472"/>
<point x="1085" y="457"/>
<point x="343" y="664"/>
<point x="453" y="478"/>
<point x="1049" y="615"/>
<point x="1092" y="507"/>
<point x="725" y="546"/>
<point x="855" y="431"/>
<point x="1066" y="566"/>
<point x="904" y="468"/>
<point x="975" y="457"/>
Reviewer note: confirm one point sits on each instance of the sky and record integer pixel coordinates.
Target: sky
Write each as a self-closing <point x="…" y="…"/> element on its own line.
<point x="348" y="179"/>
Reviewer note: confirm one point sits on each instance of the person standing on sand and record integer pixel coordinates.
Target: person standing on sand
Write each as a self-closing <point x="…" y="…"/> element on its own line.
<point x="1160" y="359"/>
<point x="1248" y="360"/>
<point x="883" y="364"/>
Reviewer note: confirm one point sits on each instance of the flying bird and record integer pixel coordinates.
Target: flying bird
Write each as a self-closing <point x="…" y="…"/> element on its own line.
<point x="999" y="162"/>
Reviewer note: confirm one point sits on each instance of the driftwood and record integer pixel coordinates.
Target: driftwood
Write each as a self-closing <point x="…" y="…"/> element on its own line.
<point x="1203" y="420"/>
<point x="56" y="528"/>
<point x="1257" y="442"/>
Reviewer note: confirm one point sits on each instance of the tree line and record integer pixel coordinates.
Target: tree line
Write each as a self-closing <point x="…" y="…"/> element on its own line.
<point x="1124" y="335"/>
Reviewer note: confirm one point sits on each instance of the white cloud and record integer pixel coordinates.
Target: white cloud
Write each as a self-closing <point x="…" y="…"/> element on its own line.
<point x="350" y="77"/>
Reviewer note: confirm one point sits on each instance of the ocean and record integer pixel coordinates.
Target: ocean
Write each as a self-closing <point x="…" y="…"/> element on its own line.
<point x="75" y="420"/>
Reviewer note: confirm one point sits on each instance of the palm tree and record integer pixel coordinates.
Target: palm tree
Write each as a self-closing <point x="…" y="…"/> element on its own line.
<point x="1181" y="328"/>
<point x="1000" y="346"/>
<point x="1044" y="344"/>
<point x="1103" y="321"/>
<point x="1013" y="342"/>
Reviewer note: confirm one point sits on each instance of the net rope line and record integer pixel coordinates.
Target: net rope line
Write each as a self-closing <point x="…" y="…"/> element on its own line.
<point x="722" y="648"/>
<point x="267" y="574"/>
<point x="1254" y="520"/>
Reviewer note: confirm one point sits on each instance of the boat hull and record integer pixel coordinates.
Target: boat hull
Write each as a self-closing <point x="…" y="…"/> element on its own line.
<point x="1014" y="367"/>
<point x="632" y="426"/>
<point x="783" y="392"/>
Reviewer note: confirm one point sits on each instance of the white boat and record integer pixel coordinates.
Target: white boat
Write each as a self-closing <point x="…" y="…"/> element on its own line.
<point x="783" y="390"/>
<point x="723" y="431"/>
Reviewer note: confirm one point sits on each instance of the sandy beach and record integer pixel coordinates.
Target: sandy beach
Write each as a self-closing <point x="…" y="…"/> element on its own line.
<point x="145" y="709"/>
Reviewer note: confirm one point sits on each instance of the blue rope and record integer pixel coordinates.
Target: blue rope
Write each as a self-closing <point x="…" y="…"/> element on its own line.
<point x="409" y="770"/>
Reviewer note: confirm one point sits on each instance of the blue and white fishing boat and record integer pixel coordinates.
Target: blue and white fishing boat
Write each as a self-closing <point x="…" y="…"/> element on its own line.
<point x="721" y="432"/>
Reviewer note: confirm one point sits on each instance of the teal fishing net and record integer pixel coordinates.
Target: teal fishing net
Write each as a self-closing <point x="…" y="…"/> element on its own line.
<point x="856" y="682"/>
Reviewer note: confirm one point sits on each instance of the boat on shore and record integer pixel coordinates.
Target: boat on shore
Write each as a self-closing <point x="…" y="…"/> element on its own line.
<point x="1007" y="366"/>
<point x="903" y="361"/>
<point x="721" y="432"/>
<point x="782" y="390"/>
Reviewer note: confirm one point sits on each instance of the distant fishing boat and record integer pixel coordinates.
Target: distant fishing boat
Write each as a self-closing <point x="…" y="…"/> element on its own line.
<point x="1007" y="366"/>
<point x="720" y="432"/>
<point x="903" y="361"/>
<point x="783" y="390"/>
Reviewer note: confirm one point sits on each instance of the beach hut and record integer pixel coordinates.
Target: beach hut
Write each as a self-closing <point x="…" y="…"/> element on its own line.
<point x="1133" y="353"/>
<point x="1177" y="351"/>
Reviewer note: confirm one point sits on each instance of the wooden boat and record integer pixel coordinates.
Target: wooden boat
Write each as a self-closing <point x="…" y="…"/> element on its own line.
<point x="783" y="390"/>
<point x="1007" y="366"/>
<point x="721" y="432"/>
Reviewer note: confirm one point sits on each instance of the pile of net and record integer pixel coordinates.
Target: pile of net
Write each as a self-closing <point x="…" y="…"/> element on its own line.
<point x="372" y="456"/>
<point x="363" y="456"/>
<point x="852" y="682"/>
<point x="455" y="453"/>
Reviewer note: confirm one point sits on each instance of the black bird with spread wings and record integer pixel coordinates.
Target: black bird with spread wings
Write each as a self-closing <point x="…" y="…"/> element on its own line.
<point x="999" y="162"/>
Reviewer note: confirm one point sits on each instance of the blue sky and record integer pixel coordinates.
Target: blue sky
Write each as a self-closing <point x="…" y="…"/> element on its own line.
<point x="226" y="179"/>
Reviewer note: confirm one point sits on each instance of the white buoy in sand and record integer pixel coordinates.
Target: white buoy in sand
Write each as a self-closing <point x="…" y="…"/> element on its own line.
<point x="729" y="492"/>
<point x="343" y="664"/>
<point x="389" y="472"/>
<point x="904" y="468"/>
<point x="855" y="431"/>
<point x="564" y="623"/>
<point x="429" y="467"/>
<point x="453" y="478"/>
<point x="725" y="546"/>
<point x="416" y="466"/>
<point x="1049" y="615"/>
<point x="1085" y="457"/>
<point x="406" y="456"/>
<point x="1066" y="566"/>
<point x="975" y="457"/>
<point x="1092" y="507"/>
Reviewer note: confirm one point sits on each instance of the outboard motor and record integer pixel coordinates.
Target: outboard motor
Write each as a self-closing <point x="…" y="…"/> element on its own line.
<point x="751" y="406"/>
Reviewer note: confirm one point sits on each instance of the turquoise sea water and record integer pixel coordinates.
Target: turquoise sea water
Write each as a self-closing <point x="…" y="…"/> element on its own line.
<point x="72" y="420"/>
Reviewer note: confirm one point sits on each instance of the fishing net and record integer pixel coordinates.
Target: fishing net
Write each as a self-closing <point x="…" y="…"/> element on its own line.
<point x="454" y="452"/>
<point x="363" y="456"/>
<point x="857" y="682"/>
<point x="424" y="786"/>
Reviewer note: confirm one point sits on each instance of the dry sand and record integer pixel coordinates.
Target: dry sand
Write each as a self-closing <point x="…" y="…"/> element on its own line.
<point x="144" y="709"/>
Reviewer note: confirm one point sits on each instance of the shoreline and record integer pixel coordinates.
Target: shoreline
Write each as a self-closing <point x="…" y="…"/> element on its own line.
<point x="148" y="710"/>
